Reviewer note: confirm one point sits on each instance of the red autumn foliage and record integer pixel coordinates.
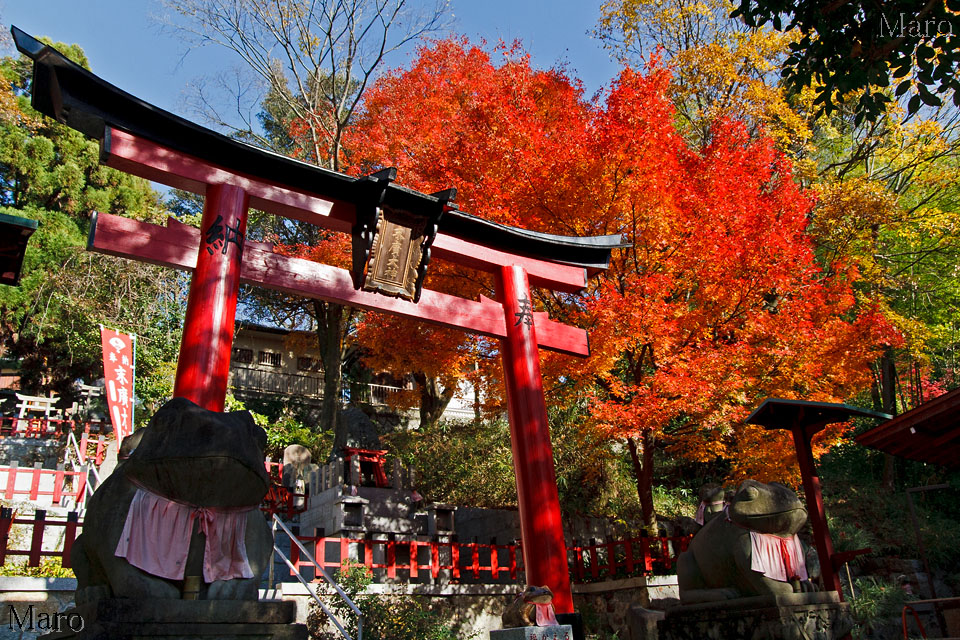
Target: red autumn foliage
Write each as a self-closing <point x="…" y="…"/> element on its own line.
<point x="718" y="304"/>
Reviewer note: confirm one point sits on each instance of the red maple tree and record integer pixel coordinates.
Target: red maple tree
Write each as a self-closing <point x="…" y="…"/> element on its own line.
<point x="718" y="303"/>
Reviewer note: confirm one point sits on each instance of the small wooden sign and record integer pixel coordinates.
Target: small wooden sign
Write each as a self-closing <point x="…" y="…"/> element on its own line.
<point x="396" y="254"/>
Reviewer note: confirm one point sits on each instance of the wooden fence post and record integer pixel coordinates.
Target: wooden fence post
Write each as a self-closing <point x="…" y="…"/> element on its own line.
<point x="6" y="521"/>
<point x="35" y="480"/>
<point x="58" y="481"/>
<point x="36" y="542"/>
<point x="69" y="535"/>
<point x="11" y="479"/>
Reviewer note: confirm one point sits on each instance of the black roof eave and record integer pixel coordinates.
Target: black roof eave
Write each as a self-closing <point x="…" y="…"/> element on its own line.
<point x="773" y="412"/>
<point x="83" y="101"/>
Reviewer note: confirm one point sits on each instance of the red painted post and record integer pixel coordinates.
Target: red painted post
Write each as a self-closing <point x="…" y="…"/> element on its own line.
<point x="58" y="481"/>
<point x="494" y="561"/>
<point x="36" y="541"/>
<point x="80" y="485"/>
<point x="204" y="363"/>
<point x="11" y="480"/>
<point x="434" y="560"/>
<point x="544" y="551"/>
<point x="368" y="553"/>
<point x="414" y="563"/>
<point x="35" y="480"/>
<point x="817" y="515"/>
<point x="391" y="557"/>
<point x="69" y="535"/>
<point x="6" y="521"/>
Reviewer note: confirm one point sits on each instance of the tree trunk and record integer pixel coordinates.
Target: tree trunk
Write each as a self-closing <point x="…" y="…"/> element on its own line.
<point x="888" y="404"/>
<point x="330" y="338"/>
<point x="643" y="472"/>
<point x="433" y="400"/>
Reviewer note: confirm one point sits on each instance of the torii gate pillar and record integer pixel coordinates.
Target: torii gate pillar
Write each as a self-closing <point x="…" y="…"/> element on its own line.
<point x="204" y="363"/>
<point x="544" y="550"/>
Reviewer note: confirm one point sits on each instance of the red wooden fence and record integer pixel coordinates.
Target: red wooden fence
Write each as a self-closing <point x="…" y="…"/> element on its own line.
<point x="408" y="559"/>
<point x="457" y="558"/>
<point x="59" y="476"/>
<point x="86" y="442"/>
<point x="39" y="522"/>
<point x="624" y="558"/>
<point x="605" y="561"/>
<point x="281" y="500"/>
<point x="13" y="427"/>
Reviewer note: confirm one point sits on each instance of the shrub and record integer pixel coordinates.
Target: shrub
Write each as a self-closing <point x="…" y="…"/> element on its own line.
<point x="383" y="618"/>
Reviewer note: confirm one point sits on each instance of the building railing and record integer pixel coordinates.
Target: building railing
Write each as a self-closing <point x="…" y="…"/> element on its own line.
<point x="375" y="394"/>
<point x="265" y="381"/>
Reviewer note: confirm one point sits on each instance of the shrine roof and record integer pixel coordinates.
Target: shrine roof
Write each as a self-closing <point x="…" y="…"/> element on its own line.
<point x="780" y="413"/>
<point x="82" y="100"/>
<point x="928" y="433"/>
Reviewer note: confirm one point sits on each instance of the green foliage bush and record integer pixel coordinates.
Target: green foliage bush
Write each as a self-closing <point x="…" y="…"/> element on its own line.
<point x="49" y="568"/>
<point x="383" y="618"/>
<point x="875" y="602"/>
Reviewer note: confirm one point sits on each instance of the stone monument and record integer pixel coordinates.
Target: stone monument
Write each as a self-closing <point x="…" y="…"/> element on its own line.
<point x="173" y="542"/>
<point x="745" y="575"/>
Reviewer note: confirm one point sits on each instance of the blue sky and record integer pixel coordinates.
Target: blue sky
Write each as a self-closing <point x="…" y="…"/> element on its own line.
<point x="127" y="48"/>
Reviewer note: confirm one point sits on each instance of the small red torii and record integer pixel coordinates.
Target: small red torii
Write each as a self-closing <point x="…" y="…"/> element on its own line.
<point x="141" y="139"/>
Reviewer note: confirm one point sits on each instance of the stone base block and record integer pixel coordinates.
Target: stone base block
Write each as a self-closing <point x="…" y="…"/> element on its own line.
<point x="556" y="632"/>
<point x="798" y="616"/>
<point x="126" y="619"/>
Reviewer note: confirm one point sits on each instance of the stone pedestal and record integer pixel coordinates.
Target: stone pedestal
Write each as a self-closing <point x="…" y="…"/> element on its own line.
<point x="556" y="632"/>
<point x="797" y="616"/>
<point x="127" y="619"/>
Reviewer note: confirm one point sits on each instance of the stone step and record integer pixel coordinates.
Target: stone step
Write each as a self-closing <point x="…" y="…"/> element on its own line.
<point x="128" y="619"/>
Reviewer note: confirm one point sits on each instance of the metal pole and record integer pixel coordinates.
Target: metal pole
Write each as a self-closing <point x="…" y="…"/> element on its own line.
<point x="204" y="363"/>
<point x="544" y="551"/>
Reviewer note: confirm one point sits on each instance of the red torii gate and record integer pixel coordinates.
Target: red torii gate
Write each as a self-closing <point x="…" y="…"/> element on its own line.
<point x="143" y="140"/>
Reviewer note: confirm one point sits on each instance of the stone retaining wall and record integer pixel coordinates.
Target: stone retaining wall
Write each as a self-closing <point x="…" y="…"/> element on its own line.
<point x="471" y="608"/>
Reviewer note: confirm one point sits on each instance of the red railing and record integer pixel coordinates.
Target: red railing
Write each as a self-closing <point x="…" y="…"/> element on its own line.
<point x="57" y="492"/>
<point x="404" y="559"/>
<point x="13" y="427"/>
<point x="460" y="559"/>
<point x="39" y="522"/>
<point x="605" y="561"/>
<point x="625" y="558"/>
<point x="281" y="500"/>
<point x="99" y="448"/>
<point x="274" y="470"/>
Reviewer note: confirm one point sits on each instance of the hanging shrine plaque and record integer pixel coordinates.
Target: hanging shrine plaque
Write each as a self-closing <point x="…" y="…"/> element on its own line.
<point x="396" y="254"/>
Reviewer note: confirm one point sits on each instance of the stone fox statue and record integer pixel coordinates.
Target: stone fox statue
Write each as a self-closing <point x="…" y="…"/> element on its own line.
<point x="533" y="607"/>
<point x="751" y="551"/>
<point x="184" y="503"/>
